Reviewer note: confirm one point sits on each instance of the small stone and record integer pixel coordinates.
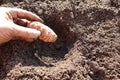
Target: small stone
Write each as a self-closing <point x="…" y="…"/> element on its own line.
<point x="40" y="12"/>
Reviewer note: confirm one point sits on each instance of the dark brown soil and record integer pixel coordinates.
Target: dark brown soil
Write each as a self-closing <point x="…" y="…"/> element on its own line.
<point x="88" y="47"/>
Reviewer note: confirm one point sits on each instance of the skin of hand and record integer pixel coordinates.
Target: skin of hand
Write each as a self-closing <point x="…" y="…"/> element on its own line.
<point x="47" y="34"/>
<point x="21" y="24"/>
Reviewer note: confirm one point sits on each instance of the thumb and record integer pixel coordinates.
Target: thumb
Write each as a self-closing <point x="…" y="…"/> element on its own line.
<point x="24" y="33"/>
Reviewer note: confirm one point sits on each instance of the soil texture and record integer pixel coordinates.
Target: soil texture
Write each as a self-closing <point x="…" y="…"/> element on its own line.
<point x="88" y="45"/>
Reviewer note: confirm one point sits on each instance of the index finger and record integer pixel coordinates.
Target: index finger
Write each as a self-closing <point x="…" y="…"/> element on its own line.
<point x="24" y="14"/>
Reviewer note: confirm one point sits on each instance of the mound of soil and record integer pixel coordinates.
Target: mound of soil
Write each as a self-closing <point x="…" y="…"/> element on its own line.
<point x="88" y="45"/>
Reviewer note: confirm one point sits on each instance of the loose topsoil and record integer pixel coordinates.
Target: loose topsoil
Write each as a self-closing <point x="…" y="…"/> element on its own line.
<point x="88" y="45"/>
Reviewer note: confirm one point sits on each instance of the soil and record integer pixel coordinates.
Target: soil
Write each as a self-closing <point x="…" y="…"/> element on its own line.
<point x="88" y="45"/>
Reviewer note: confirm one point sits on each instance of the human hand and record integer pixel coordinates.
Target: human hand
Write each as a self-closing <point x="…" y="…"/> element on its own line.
<point x="47" y="34"/>
<point x="9" y="30"/>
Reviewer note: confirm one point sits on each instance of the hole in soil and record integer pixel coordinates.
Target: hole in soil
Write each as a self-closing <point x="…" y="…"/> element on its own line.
<point x="53" y="52"/>
<point x="39" y="53"/>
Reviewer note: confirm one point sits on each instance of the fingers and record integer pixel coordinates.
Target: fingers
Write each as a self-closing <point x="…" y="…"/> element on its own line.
<point x="22" y="22"/>
<point x="47" y="34"/>
<point x="23" y="14"/>
<point x="24" y="33"/>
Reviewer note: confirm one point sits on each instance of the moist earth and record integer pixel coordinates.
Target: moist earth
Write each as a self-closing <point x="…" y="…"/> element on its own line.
<point x="88" y="45"/>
